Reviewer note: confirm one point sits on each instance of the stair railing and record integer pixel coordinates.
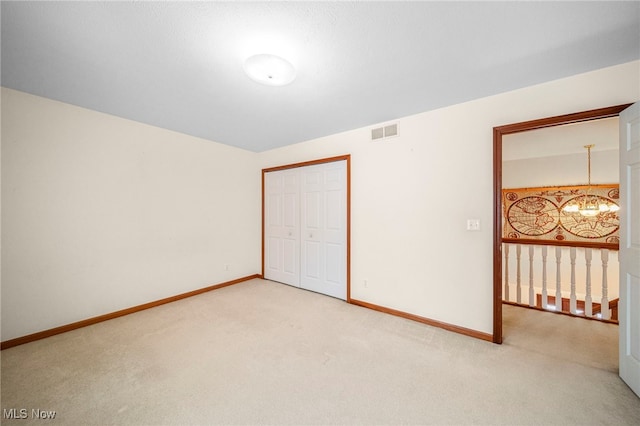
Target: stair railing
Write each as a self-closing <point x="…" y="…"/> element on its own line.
<point x="588" y="293"/>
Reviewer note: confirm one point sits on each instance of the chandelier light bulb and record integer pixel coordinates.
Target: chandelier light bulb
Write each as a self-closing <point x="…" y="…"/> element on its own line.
<point x="589" y="205"/>
<point x="589" y="211"/>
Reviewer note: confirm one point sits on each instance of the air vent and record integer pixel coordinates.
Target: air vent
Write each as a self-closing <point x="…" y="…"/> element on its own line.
<point x="377" y="133"/>
<point x="391" y="130"/>
<point x="384" y="132"/>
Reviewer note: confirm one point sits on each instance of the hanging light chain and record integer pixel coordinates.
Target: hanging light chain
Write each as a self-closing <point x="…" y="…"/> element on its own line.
<point x="589" y="163"/>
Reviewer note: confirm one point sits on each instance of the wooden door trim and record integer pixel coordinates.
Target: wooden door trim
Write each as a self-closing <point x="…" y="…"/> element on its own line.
<point x="346" y="158"/>
<point x="498" y="133"/>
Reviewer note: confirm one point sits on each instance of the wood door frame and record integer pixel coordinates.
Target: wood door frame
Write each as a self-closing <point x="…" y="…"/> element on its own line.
<point x="498" y="133"/>
<point x="346" y="158"/>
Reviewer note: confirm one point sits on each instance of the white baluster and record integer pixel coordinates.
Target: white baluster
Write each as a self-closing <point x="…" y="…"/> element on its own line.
<point x="544" y="278"/>
<point x="532" y="301"/>
<point x="604" y="303"/>
<point x="506" y="273"/>
<point x="518" y="277"/>
<point x="573" y="303"/>
<point x="558" y="280"/>
<point x="588" y="304"/>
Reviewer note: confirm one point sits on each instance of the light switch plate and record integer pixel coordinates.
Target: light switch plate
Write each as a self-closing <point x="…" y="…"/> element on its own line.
<point x="473" y="224"/>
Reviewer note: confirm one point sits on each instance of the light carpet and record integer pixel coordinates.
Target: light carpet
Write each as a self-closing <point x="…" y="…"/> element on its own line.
<point x="266" y="353"/>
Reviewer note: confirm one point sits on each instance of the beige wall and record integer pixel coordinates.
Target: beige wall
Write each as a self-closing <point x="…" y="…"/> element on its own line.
<point x="101" y="213"/>
<point x="412" y="195"/>
<point x="561" y="170"/>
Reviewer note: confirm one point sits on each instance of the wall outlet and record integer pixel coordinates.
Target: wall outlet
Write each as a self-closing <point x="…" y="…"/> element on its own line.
<point x="366" y="284"/>
<point x="226" y="267"/>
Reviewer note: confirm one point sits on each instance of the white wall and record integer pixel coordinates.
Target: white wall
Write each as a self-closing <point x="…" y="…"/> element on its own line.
<point x="101" y="213"/>
<point x="412" y="195"/>
<point x="561" y="170"/>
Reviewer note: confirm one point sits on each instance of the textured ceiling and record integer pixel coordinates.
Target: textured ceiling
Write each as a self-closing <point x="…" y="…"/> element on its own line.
<point x="178" y="65"/>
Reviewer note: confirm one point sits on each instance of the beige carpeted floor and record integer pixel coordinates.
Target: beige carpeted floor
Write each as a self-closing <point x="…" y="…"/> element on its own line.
<point x="266" y="353"/>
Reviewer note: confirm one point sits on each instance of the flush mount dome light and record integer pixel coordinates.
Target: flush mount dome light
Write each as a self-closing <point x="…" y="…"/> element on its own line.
<point x="270" y="70"/>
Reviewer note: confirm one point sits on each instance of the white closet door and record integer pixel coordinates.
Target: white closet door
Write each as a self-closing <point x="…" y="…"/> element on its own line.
<point x="323" y="229"/>
<point x="282" y="227"/>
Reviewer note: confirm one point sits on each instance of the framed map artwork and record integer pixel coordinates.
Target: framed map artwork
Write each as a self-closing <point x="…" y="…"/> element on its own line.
<point x="537" y="214"/>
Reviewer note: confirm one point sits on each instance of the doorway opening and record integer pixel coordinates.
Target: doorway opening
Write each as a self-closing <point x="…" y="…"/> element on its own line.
<point x="498" y="133"/>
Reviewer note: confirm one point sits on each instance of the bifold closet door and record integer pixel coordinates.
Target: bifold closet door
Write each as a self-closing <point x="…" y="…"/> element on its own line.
<point x="282" y="227"/>
<point x="306" y="227"/>
<point x="323" y="229"/>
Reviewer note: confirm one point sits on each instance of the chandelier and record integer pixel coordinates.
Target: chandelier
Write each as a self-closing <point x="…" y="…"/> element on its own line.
<point x="589" y="205"/>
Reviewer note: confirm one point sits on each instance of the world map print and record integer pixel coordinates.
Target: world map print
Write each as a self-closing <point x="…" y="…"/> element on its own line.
<point x="537" y="214"/>
<point x="533" y="216"/>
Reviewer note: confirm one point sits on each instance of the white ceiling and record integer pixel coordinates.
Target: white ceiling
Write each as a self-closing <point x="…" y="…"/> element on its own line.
<point x="178" y="65"/>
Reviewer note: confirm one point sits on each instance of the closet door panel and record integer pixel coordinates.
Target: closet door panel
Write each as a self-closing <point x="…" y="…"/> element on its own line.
<point x="333" y="270"/>
<point x="282" y="229"/>
<point x="312" y="223"/>
<point x="305" y="227"/>
<point x="324" y="229"/>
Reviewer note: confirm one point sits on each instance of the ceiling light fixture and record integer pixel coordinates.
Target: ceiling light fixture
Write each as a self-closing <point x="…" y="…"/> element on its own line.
<point x="590" y="205"/>
<point x="271" y="70"/>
